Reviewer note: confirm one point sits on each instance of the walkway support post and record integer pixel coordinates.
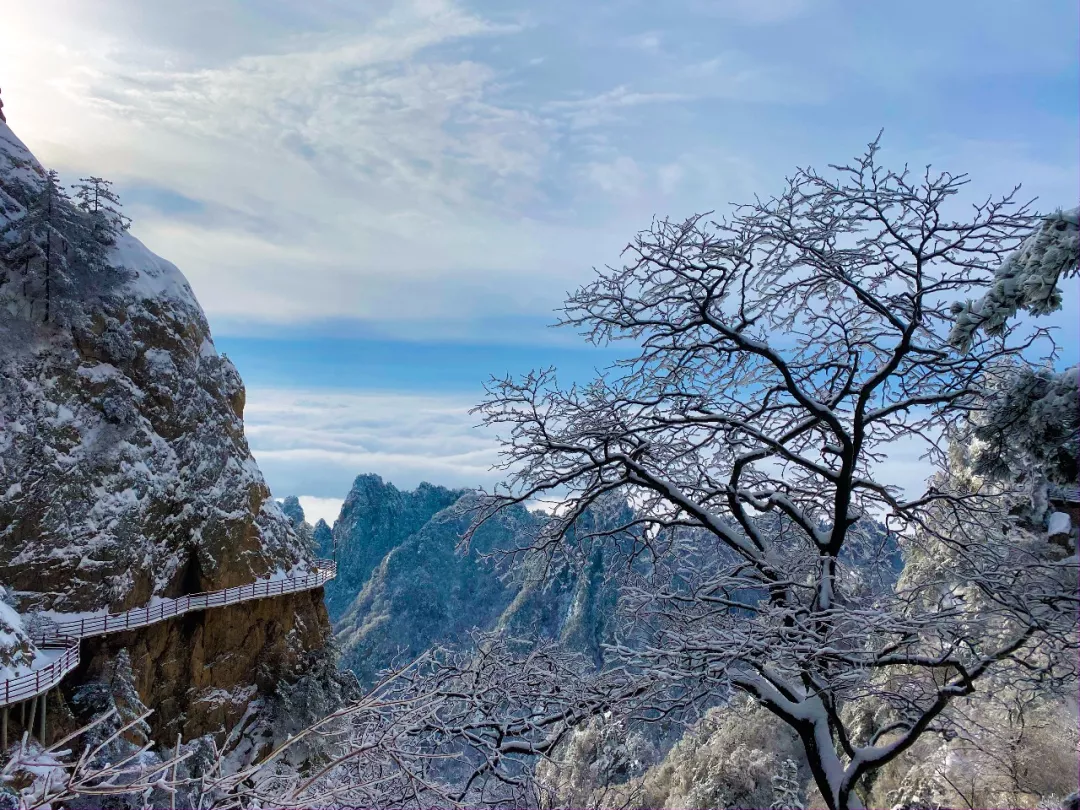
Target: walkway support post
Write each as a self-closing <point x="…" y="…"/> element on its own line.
<point x="3" y="732"/>
<point x="33" y="714"/>
<point x="42" y="734"/>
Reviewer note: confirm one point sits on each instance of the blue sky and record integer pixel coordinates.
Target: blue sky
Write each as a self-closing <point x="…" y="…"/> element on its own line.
<point x="380" y="203"/>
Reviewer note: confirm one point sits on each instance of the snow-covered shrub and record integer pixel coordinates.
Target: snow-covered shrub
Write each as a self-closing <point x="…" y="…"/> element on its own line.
<point x="787" y="787"/>
<point x="1014" y="753"/>
<point x="602" y="753"/>
<point x="115" y="689"/>
<point x="737" y="755"/>
<point x="122" y="735"/>
<point x="318" y="692"/>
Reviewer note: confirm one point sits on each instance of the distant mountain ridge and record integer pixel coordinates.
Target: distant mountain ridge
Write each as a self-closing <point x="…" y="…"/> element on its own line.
<point x="376" y="518"/>
<point x="409" y="587"/>
<point x="423" y="591"/>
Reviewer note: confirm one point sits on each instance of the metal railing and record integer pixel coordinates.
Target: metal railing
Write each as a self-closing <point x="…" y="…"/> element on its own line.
<point x="66" y="635"/>
<point x="42" y="680"/>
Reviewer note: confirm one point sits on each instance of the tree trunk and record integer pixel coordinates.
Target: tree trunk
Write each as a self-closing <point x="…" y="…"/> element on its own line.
<point x="817" y="757"/>
<point x="48" y="275"/>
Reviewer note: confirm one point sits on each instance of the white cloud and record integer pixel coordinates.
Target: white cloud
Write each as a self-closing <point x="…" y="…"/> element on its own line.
<point x="377" y="161"/>
<point x="335" y="171"/>
<point x="621" y="177"/>
<point x="605" y="108"/>
<point x="668" y="178"/>
<point x="316" y="509"/>
<point x="317" y="442"/>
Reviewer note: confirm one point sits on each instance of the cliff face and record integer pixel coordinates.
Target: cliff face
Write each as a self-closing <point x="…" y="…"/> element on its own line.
<point x="125" y="473"/>
<point x="201" y="672"/>
<point x="423" y="591"/>
<point x="376" y="518"/>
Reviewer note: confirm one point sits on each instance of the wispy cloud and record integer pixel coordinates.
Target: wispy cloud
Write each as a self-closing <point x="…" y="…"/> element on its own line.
<point x="441" y="172"/>
<point x="317" y="442"/>
<point x="419" y="164"/>
<point x="321" y="168"/>
<point x="605" y="108"/>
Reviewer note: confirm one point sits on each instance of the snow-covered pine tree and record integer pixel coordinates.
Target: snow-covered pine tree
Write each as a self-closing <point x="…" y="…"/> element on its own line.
<point x="1028" y="280"/>
<point x="98" y="225"/>
<point x="101" y="204"/>
<point x="39" y="243"/>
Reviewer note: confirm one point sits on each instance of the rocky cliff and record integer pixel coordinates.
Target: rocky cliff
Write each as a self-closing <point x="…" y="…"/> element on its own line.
<point x="424" y="592"/>
<point x="419" y="590"/>
<point x="124" y="471"/>
<point x="376" y="518"/>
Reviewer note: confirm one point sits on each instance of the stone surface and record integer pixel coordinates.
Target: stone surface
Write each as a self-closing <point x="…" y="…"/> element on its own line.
<point x="125" y="475"/>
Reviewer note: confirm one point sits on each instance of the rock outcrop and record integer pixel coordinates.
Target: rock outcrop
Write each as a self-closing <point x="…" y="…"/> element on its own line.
<point x="376" y="518"/>
<point x="125" y="474"/>
<point x="423" y="591"/>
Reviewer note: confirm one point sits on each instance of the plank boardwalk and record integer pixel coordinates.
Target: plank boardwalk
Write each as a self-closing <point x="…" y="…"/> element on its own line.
<point x="65" y="636"/>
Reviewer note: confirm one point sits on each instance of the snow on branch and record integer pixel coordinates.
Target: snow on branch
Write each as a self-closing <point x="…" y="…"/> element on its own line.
<point x="1027" y="280"/>
<point x="785" y="352"/>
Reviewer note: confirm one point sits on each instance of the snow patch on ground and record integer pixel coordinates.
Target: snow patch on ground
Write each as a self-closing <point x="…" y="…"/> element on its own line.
<point x="1060" y="523"/>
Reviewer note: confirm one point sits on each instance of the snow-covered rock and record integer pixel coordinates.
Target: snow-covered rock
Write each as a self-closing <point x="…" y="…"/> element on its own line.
<point x="17" y="651"/>
<point x="1059" y="523"/>
<point x="125" y="474"/>
<point x="124" y="471"/>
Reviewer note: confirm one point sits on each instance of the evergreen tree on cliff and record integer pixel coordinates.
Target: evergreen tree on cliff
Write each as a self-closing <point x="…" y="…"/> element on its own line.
<point x="40" y="241"/>
<point x="101" y="205"/>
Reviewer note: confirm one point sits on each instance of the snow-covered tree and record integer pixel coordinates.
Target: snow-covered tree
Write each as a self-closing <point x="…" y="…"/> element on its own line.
<point x="57" y="251"/>
<point x="787" y="787"/>
<point x="784" y="353"/>
<point x="603" y="753"/>
<point x="40" y="241"/>
<point x="1031" y="427"/>
<point x="1029" y="280"/>
<point x="734" y="756"/>
<point x="102" y="206"/>
<point x="1027" y="438"/>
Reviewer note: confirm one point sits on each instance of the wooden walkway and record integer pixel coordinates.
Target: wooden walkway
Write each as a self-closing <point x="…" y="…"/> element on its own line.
<point x="65" y="636"/>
